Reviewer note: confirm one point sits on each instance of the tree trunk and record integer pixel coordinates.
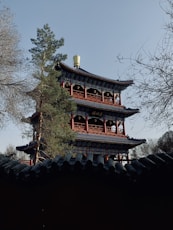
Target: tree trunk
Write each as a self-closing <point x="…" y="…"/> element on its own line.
<point x="39" y="135"/>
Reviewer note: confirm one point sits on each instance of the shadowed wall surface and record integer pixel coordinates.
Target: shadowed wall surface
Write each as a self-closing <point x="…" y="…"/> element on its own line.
<point x="91" y="194"/>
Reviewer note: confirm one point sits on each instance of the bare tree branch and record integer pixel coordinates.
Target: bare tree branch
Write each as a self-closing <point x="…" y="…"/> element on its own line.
<point x="12" y="86"/>
<point x="153" y="77"/>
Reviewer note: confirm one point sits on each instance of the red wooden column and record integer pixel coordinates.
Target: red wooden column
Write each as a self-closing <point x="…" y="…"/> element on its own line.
<point x="117" y="127"/>
<point x="124" y="128"/>
<point x="119" y="99"/>
<point x="105" y="129"/>
<point x="103" y="98"/>
<point x="85" y="92"/>
<point x="72" y="121"/>
<point x="86" y="123"/>
<point x="71" y="89"/>
<point x="114" y="98"/>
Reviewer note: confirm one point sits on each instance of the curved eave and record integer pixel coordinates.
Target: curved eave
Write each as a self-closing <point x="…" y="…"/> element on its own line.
<point x="112" y="108"/>
<point x="128" y="142"/>
<point x="79" y="71"/>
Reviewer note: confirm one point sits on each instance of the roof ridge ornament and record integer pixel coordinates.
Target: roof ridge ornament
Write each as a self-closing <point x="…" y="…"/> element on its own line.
<point x="76" y="61"/>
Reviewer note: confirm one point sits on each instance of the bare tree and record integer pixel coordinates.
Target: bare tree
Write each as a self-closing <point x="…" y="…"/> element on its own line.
<point x="165" y="142"/>
<point x="153" y="77"/>
<point x="150" y="147"/>
<point x="10" y="152"/>
<point x="12" y="85"/>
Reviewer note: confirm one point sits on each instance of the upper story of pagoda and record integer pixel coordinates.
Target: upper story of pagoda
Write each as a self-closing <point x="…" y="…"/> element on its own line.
<point x="100" y="115"/>
<point x="87" y="86"/>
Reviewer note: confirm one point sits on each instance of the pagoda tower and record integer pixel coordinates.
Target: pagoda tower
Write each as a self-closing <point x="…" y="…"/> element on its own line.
<point x="99" y="121"/>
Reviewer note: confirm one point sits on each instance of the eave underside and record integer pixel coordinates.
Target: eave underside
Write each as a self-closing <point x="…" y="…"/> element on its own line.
<point x="102" y="144"/>
<point x="80" y="75"/>
<point x="103" y="107"/>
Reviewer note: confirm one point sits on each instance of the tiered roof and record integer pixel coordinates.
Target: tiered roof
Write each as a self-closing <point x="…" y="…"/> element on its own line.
<point x="82" y="75"/>
<point x="116" y="109"/>
<point x="79" y="75"/>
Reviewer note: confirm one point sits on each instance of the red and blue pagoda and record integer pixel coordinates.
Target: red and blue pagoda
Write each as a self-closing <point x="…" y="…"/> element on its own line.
<point x="99" y="120"/>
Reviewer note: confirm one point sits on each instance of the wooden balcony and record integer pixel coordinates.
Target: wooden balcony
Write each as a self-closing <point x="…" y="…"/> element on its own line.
<point x="80" y="127"/>
<point x="78" y="94"/>
<point x="94" y="97"/>
<point x="109" y="100"/>
<point x="96" y="129"/>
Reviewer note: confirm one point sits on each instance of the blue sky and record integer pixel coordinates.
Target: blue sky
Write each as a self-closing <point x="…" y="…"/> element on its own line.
<point x="98" y="31"/>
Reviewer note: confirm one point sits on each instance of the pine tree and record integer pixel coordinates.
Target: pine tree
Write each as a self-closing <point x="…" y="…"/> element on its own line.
<point x="53" y="104"/>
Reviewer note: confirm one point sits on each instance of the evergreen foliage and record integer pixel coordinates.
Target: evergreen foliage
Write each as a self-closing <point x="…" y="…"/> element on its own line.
<point x="53" y="103"/>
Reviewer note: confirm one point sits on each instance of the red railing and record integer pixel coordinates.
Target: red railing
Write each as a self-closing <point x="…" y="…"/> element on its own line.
<point x="97" y="129"/>
<point x="92" y="128"/>
<point x="78" y="94"/>
<point x="108" y="100"/>
<point x="27" y="162"/>
<point x="95" y="98"/>
<point x="81" y="127"/>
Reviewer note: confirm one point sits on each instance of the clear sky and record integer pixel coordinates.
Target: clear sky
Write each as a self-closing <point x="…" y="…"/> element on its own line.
<point x="98" y="31"/>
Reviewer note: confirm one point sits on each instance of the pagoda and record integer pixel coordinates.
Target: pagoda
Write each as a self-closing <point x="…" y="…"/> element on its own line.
<point x="99" y="121"/>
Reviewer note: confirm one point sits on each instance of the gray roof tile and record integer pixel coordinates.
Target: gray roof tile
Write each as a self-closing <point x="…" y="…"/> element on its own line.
<point x="50" y="168"/>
